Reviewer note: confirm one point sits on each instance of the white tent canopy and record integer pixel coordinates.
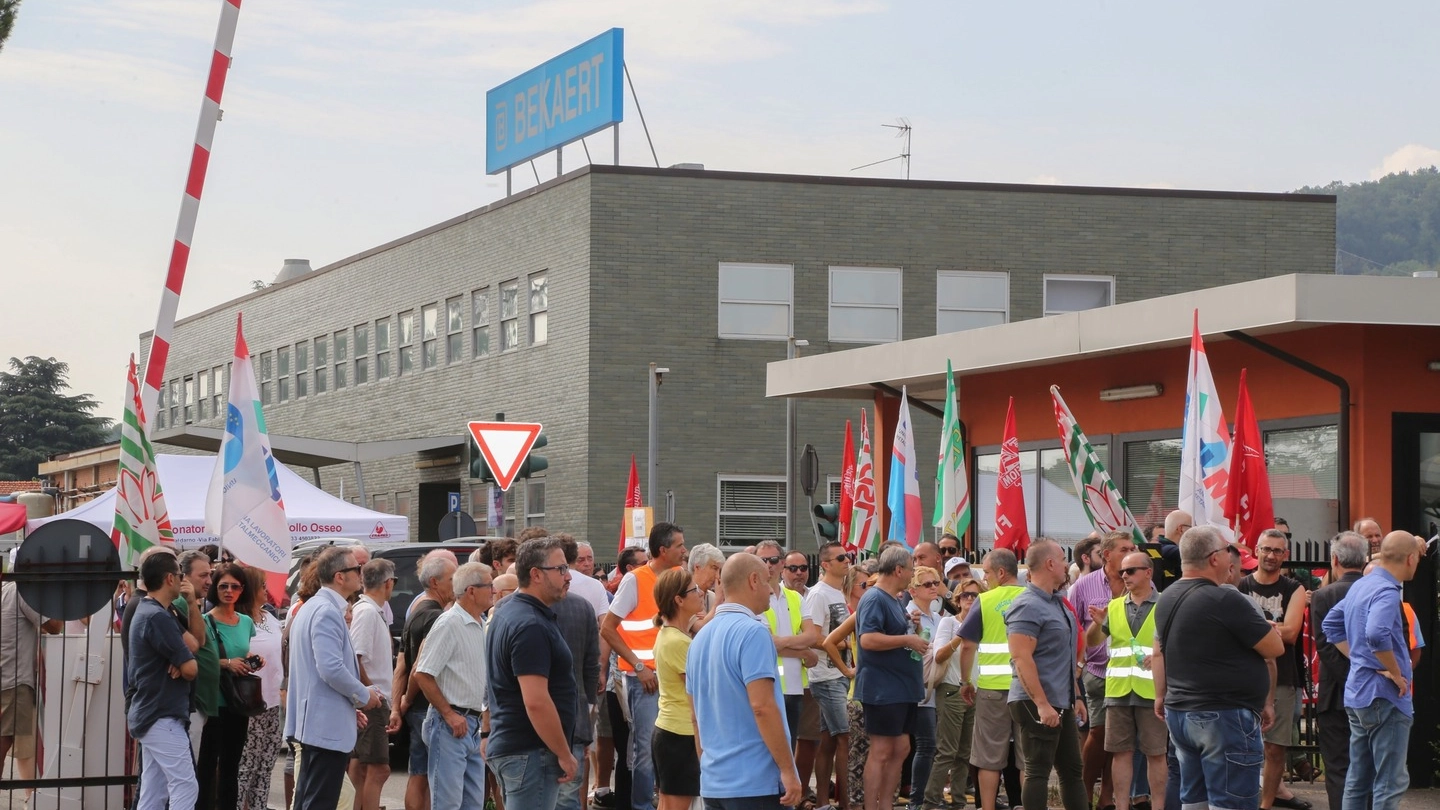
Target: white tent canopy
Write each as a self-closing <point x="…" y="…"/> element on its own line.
<point x="312" y="511"/>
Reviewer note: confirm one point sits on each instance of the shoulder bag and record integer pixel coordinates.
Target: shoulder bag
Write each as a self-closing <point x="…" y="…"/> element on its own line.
<point x="242" y="692"/>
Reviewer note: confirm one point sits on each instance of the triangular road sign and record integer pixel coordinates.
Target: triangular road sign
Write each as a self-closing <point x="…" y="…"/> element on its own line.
<point x="505" y="446"/>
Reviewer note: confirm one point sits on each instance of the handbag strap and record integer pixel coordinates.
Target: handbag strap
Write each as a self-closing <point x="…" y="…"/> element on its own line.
<point x="218" y="640"/>
<point x="1169" y="620"/>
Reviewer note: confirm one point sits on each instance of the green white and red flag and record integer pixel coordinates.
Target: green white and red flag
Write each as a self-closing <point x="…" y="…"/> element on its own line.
<point x="141" y="519"/>
<point x="1104" y="505"/>
<point x="864" y="517"/>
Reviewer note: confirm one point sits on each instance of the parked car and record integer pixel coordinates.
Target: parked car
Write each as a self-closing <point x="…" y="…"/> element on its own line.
<point x="406" y="557"/>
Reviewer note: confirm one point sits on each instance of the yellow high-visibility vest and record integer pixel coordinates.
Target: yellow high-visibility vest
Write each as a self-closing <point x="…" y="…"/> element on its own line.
<point x="1123" y="673"/>
<point x="994" y="653"/>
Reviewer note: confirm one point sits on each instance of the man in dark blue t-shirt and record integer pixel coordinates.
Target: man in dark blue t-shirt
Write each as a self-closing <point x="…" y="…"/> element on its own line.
<point x="888" y="679"/>
<point x="528" y="662"/>
<point x="160" y="666"/>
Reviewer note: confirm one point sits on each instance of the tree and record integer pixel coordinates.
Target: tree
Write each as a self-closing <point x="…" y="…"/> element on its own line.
<point x="8" y="10"/>
<point x="38" y="420"/>
<point x="1389" y="226"/>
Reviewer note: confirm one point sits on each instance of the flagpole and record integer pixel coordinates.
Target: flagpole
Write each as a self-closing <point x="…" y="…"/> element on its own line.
<point x="189" y="206"/>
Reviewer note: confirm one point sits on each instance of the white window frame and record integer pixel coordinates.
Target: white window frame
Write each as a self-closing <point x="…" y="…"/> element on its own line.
<point x="1045" y="289"/>
<point x="898" y="308"/>
<point x="454" y="335"/>
<point x="407" y="344"/>
<point x="430" y="333"/>
<point x="302" y="370"/>
<point x="362" y="353"/>
<point x="542" y="313"/>
<point x="480" y="324"/>
<point x="532" y="517"/>
<point x="788" y="303"/>
<point x="941" y="308"/>
<point x="386" y="366"/>
<point x="282" y="374"/>
<point x="340" y="358"/>
<point x="514" y="316"/>
<point x="721" y="479"/>
<point x="320" y="346"/>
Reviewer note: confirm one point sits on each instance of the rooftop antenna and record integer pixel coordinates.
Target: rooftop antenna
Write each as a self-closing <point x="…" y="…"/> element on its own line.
<point x="903" y="131"/>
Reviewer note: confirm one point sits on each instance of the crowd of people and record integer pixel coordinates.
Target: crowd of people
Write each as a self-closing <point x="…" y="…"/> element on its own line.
<point x="526" y="678"/>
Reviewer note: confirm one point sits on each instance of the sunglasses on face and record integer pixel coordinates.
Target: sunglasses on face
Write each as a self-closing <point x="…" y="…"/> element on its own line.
<point x="771" y="560"/>
<point x="934" y="583"/>
<point x="949" y="551"/>
<point x="796" y="569"/>
<point x="230" y="586"/>
<point x="1125" y="572"/>
<point x="969" y="595"/>
<point x="847" y="557"/>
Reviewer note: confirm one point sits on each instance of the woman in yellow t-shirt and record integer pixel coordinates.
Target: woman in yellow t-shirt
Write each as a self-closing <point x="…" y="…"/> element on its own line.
<point x="675" y="750"/>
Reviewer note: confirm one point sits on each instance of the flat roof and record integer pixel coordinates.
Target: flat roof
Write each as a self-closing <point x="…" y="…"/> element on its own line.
<point x="795" y="179"/>
<point x="1263" y="306"/>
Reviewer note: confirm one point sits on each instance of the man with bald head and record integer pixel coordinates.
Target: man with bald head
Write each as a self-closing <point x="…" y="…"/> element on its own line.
<point x="745" y="757"/>
<point x="1176" y="524"/>
<point x="1369" y="528"/>
<point x="1368" y="626"/>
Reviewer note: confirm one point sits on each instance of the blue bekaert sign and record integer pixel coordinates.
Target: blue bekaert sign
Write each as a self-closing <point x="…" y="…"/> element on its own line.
<point x="573" y="95"/>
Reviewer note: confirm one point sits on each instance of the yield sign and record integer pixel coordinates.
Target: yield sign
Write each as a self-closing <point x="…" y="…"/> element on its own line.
<point x="505" y="446"/>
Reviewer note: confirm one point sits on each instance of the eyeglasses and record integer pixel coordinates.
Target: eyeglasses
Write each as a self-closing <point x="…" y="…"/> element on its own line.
<point x="1273" y="551"/>
<point x="796" y="569"/>
<point x="934" y="583"/>
<point x="229" y="586"/>
<point x="1125" y="572"/>
<point x="772" y="560"/>
<point x="489" y="585"/>
<point x="865" y="583"/>
<point x="692" y="589"/>
<point x="969" y="595"/>
<point x="563" y="569"/>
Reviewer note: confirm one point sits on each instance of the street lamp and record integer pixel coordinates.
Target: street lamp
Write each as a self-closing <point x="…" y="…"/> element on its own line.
<point x="656" y="377"/>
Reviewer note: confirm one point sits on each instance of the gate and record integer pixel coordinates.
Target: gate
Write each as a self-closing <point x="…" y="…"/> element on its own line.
<point x="60" y="642"/>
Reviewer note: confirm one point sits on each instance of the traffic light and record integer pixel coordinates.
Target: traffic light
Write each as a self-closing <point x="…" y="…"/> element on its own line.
<point x="533" y="463"/>
<point x="827" y="519"/>
<point x="479" y="470"/>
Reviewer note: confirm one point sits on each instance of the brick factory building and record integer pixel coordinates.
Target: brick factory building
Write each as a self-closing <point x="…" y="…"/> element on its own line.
<point x="709" y="274"/>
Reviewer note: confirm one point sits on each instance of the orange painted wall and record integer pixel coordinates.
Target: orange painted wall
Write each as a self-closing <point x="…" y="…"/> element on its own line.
<point x="1385" y="365"/>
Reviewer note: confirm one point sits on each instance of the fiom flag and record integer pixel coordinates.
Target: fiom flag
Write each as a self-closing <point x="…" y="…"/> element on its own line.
<point x="244" y="507"/>
<point x="952" y="487"/>
<point x="1012" y="528"/>
<point x="632" y="499"/>
<point x="1205" y="443"/>
<point x="141" y="519"/>
<point x="1248" y="501"/>
<point x="847" y="486"/>
<point x="903" y="496"/>
<point x="1104" y="505"/>
<point x="864" y="527"/>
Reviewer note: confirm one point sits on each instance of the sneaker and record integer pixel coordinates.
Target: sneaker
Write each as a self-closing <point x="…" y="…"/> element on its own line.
<point x="603" y="798"/>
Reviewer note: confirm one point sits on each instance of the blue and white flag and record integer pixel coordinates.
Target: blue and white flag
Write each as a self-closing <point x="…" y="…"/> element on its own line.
<point x="903" y="488"/>
<point x="1205" y="444"/>
<point x="244" y="507"/>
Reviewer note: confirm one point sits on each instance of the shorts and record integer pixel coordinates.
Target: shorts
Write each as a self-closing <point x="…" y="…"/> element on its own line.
<point x="830" y="698"/>
<point x="995" y="731"/>
<point x="1094" y="700"/>
<point x="677" y="767"/>
<point x="809" y="718"/>
<point x="1129" y="722"/>
<point x="890" y="719"/>
<point x="419" y="751"/>
<point x="1283" y="732"/>
<point x="372" y="744"/>
<point x="17" y="719"/>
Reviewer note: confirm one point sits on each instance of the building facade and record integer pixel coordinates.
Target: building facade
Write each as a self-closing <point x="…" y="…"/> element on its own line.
<point x="549" y="305"/>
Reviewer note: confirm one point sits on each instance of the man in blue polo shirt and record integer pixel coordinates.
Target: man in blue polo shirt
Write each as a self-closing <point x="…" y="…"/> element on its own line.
<point x="741" y="753"/>
<point x="1369" y="626"/>
<point x="160" y="667"/>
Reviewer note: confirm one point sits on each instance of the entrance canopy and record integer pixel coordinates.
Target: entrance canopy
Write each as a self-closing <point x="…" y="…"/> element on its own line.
<point x="1264" y="306"/>
<point x="312" y="511"/>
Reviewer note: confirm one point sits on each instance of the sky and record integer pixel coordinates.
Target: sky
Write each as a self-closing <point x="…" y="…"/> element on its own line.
<point x="348" y="124"/>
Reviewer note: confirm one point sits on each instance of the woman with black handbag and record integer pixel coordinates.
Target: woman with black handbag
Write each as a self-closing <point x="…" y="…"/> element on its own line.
<point x="230" y="625"/>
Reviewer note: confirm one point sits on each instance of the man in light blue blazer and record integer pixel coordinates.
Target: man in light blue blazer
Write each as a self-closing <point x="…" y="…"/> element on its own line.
<point x="326" y="700"/>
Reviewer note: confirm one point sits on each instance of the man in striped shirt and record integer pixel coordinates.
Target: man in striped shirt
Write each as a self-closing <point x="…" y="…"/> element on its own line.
<point x="1096" y="589"/>
<point x="452" y="674"/>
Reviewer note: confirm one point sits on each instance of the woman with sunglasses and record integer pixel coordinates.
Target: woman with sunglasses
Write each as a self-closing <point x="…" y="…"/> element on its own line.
<point x="840" y="645"/>
<point x="263" y="743"/>
<point x="925" y="590"/>
<point x="229" y="624"/>
<point x="954" y="718"/>
<point x="676" y="748"/>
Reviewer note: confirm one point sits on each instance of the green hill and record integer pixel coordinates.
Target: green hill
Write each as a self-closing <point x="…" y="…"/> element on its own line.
<point x="1388" y="227"/>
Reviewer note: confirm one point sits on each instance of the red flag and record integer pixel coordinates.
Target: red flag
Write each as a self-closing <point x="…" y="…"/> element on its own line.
<point x="847" y="486"/>
<point x="1011" y="527"/>
<point x="632" y="499"/>
<point x="1247" y="502"/>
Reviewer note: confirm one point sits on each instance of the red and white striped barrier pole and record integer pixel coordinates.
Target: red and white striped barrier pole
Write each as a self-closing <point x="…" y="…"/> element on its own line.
<point x="189" y="207"/>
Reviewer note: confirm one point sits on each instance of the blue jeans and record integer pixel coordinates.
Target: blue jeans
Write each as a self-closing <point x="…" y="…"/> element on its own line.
<point x="1220" y="755"/>
<point x="924" y="737"/>
<point x="744" y="803"/>
<point x="1379" y="738"/>
<point x="569" y="795"/>
<point x="527" y="779"/>
<point x="455" y="767"/>
<point x="1172" y="776"/>
<point x="644" y="707"/>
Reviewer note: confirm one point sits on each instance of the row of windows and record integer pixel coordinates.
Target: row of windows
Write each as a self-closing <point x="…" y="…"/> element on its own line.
<point x="757" y="300"/>
<point x="335" y="361"/>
